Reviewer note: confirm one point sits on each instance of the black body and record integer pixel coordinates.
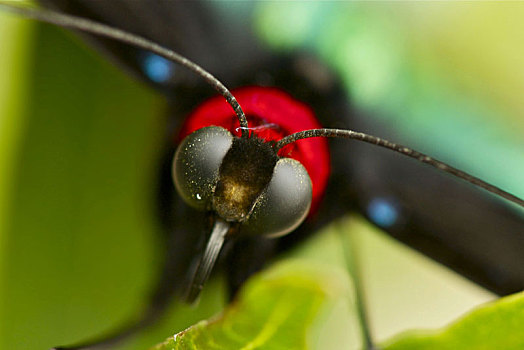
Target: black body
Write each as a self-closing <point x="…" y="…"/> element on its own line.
<point x="477" y="235"/>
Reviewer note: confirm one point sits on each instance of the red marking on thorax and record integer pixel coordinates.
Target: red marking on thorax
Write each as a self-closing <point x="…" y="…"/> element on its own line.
<point x="272" y="114"/>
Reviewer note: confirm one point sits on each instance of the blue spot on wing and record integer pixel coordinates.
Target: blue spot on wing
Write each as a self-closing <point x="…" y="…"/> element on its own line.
<point x="382" y="212"/>
<point x="157" y="68"/>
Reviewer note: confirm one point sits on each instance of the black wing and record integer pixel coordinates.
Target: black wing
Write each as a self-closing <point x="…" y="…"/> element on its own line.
<point x="465" y="228"/>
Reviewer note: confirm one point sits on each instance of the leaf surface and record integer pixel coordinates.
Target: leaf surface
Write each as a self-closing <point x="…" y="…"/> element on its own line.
<point x="497" y="325"/>
<point x="275" y="310"/>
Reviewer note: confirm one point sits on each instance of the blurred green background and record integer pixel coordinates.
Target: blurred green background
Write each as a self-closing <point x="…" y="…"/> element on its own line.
<point x="80" y="142"/>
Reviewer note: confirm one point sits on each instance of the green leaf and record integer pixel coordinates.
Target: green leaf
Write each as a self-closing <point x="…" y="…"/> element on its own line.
<point x="275" y="310"/>
<point x="496" y="325"/>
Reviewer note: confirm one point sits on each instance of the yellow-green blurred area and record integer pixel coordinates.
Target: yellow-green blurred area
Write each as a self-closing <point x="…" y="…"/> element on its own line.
<point x="80" y="143"/>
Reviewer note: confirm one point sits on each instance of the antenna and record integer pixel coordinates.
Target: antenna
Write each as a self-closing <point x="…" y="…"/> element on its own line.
<point x="421" y="157"/>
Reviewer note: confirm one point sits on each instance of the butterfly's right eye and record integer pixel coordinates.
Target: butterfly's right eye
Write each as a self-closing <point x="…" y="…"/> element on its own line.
<point x="197" y="162"/>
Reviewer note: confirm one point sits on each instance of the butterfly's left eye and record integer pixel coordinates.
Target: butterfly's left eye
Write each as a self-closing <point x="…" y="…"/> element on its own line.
<point x="284" y="203"/>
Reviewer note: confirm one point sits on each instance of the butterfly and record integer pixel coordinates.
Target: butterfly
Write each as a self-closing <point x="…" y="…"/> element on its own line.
<point x="356" y="158"/>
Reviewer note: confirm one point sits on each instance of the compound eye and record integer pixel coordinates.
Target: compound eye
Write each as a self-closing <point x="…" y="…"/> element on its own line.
<point x="285" y="202"/>
<point x="197" y="162"/>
